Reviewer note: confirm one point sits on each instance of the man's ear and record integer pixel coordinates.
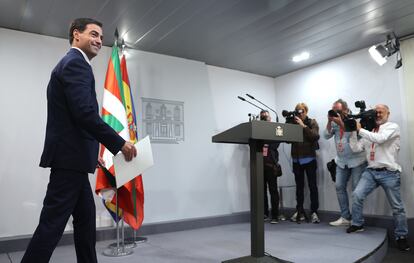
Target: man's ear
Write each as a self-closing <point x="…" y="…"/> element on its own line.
<point x="76" y="34"/>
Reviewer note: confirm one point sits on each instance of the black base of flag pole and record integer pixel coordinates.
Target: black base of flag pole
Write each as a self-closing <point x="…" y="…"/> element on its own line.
<point x="136" y="240"/>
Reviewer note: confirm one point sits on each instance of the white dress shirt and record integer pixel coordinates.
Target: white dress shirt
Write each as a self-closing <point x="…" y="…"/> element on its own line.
<point x="385" y="145"/>
<point x="83" y="54"/>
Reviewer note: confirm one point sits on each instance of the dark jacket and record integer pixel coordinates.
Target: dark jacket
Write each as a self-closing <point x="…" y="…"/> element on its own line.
<point x="273" y="154"/>
<point x="308" y="147"/>
<point x="74" y="126"/>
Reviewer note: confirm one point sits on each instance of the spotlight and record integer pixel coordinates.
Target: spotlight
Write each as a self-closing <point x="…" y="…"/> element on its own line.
<point x="375" y="53"/>
<point x="380" y="53"/>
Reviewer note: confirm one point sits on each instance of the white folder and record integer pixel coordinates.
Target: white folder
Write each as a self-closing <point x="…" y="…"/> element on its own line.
<point x="126" y="171"/>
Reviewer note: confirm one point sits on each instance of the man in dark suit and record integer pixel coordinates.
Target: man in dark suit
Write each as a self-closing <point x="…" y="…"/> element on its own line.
<point x="271" y="170"/>
<point x="73" y="131"/>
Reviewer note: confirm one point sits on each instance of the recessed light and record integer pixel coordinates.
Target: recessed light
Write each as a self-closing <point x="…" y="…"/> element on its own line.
<point x="302" y="56"/>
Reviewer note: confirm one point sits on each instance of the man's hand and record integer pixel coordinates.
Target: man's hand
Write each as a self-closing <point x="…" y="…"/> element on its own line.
<point x="129" y="151"/>
<point x="358" y="125"/>
<point x="299" y="121"/>
<point x="101" y="162"/>
<point x="338" y="120"/>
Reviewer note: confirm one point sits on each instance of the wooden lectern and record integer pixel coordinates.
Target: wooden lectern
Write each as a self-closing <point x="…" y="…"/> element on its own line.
<point x="256" y="133"/>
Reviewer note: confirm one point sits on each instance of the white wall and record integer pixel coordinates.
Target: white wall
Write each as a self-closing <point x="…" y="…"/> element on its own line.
<point x="192" y="179"/>
<point x="226" y="85"/>
<point x="195" y="178"/>
<point x="352" y="77"/>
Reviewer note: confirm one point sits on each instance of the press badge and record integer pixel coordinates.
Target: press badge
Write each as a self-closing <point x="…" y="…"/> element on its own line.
<point x="265" y="150"/>
<point x="372" y="156"/>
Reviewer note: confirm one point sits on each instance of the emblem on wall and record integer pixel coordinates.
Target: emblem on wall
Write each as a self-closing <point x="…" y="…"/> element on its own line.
<point x="163" y="120"/>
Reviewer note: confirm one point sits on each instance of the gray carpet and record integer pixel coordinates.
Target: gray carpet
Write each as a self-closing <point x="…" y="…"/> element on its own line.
<point x="309" y="243"/>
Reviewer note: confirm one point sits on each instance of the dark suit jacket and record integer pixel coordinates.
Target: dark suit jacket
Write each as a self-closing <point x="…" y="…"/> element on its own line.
<point x="274" y="154"/>
<point x="74" y="126"/>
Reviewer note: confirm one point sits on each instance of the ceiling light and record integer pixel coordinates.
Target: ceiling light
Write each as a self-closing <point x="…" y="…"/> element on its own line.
<point x="302" y="56"/>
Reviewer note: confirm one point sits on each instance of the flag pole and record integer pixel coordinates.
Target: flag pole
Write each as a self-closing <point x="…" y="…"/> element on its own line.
<point x="114" y="249"/>
<point x="134" y="239"/>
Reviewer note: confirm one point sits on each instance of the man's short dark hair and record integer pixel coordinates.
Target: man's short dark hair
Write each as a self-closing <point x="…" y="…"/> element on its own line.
<point x="80" y="24"/>
<point x="263" y="112"/>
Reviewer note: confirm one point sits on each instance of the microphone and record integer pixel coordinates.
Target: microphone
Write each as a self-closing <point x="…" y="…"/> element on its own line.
<point x="277" y="116"/>
<point x="243" y="99"/>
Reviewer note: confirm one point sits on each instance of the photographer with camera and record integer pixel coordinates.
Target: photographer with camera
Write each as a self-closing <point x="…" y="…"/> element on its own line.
<point x="381" y="147"/>
<point x="271" y="171"/>
<point x="304" y="160"/>
<point x="349" y="165"/>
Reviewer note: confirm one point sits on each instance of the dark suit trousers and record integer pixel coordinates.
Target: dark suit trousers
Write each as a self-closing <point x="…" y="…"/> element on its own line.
<point x="270" y="180"/>
<point x="68" y="193"/>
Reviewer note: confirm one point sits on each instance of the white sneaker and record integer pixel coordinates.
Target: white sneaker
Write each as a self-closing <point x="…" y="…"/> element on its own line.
<point x="294" y="218"/>
<point x="315" y="218"/>
<point x="341" y="222"/>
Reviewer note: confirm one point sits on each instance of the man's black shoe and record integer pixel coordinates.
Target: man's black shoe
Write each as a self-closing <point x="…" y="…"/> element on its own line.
<point x="403" y="244"/>
<point x="354" y="228"/>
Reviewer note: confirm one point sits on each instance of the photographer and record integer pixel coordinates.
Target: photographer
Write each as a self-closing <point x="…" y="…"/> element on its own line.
<point x="304" y="160"/>
<point x="348" y="164"/>
<point x="381" y="148"/>
<point x="271" y="170"/>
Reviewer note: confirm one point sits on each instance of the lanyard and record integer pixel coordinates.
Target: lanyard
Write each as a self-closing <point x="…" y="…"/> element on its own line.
<point x="340" y="145"/>
<point x="372" y="153"/>
<point x="373" y="144"/>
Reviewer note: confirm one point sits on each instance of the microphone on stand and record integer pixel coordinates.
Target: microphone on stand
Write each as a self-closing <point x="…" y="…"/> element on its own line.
<point x="250" y="96"/>
<point x="251" y="116"/>
<point x="243" y="99"/>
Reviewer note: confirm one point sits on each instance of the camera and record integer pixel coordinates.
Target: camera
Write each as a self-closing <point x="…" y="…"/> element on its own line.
<point x="367" y="118"/>
<point x="334" y="113"/>
<point x="290" y="115"/>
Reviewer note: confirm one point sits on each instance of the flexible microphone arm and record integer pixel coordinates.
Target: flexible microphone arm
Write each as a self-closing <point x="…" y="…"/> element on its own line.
<point x="243" y="99"/>
<point x="277" y="116"/>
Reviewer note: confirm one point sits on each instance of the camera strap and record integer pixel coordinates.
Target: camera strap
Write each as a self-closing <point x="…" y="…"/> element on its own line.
<point x="372" y="153"/>
<point x="340" y="145"/>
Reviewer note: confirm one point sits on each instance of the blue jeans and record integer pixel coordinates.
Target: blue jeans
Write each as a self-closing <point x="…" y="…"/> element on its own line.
<point x="342" y="178"/>
<point x="390" y="182"/>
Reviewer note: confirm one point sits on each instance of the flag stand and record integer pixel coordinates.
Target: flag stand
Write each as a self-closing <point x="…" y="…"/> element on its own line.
<point x="127" y="243"/>
<point x="135" y="239"/>
<point x="117" y="250"/>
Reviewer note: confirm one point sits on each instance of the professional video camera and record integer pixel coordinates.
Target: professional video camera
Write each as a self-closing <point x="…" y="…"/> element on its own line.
<point x="290" y="115"/>
<point x="367" y="118"/>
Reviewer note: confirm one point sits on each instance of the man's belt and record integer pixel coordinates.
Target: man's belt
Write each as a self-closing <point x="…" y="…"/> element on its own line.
<point x="379" y="169"/>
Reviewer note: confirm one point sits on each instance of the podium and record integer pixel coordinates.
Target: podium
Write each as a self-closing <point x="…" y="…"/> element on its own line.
<point x="255" y="134"/>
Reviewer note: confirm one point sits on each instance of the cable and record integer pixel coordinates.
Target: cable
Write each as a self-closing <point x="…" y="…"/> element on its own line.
<point x="11" y="261"/>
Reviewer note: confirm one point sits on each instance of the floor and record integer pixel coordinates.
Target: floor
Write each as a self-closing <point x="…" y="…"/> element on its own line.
<point x="309" y="243"/>
<point x="396" y="256"/>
